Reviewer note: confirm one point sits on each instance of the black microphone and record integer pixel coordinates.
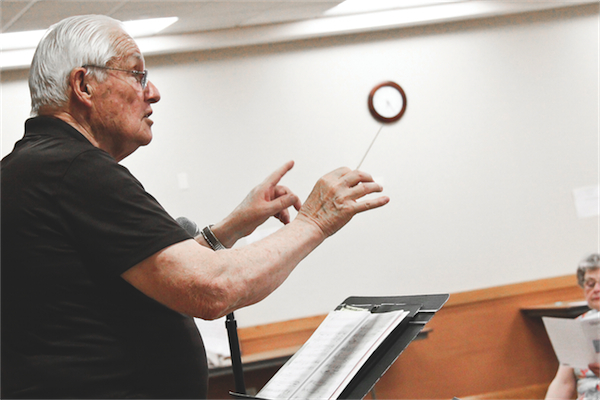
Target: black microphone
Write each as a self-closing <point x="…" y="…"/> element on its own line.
<point x="190" y="226"/>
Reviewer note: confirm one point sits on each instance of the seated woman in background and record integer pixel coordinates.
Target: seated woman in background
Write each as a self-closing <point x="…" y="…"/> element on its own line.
<point x="586" y="381"/>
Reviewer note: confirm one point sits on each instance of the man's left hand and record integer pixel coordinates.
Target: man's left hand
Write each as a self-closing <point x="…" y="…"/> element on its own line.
<point x="268" y="199"/>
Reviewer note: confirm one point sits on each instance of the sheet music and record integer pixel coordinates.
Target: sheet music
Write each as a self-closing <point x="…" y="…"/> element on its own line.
<point x="576" y="342"/>
<point x="326" y="363"/>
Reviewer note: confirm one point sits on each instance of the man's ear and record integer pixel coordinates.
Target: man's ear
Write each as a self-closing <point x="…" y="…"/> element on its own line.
<point x="80" y="86"/>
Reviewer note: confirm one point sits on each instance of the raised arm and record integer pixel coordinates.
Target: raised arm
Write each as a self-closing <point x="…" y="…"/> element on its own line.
<point x="197" y="281"/>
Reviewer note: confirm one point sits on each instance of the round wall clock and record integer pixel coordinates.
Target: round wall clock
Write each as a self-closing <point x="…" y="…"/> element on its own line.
<point x="387" y="102"/>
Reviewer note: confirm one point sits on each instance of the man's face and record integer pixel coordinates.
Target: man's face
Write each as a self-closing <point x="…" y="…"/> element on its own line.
<point x="121" y="109"/>
<point x="591" y="288"/>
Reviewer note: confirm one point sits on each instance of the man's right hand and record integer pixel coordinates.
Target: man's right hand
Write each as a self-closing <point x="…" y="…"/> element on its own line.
<point x="332" y="202"/>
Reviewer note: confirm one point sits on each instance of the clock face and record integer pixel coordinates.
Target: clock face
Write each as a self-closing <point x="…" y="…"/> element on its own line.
<point x="387" y="102"/>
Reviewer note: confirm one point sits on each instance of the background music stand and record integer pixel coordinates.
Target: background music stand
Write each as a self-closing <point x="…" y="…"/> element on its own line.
<point x="421" y="309"/>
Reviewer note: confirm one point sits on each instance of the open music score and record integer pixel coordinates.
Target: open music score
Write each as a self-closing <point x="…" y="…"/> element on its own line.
<point x="576" y="342"/>
<point x="333" y="355"/>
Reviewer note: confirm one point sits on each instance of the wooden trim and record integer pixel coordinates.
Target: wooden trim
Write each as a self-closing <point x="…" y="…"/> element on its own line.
<point x="270" y="337"/>
<point x="300" y="326"/>
<point x="279" y="328"/>
<point x="537" y="391"/>
<point x="516" y="289"/>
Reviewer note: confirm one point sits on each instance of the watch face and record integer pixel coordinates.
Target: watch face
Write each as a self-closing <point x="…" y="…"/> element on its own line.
<point x="387" y="102"/>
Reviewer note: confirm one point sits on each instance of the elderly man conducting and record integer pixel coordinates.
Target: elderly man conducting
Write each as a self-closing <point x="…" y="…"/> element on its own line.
<point x="99" y="283"/>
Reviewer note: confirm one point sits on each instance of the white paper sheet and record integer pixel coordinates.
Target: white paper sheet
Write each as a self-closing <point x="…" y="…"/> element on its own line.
<point x="216" y="341"/>
<point x="322" y="368"/>
<point x="576" y="342"/>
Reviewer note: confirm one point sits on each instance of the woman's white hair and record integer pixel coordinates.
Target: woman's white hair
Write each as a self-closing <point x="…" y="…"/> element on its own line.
<point x="68" y="44"/>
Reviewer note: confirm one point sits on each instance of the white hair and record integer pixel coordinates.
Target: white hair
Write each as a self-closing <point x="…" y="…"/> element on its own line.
<point x="68" y="44"/>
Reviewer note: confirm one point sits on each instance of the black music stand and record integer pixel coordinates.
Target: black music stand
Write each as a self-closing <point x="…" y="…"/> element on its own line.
<point x="421" y="309"/>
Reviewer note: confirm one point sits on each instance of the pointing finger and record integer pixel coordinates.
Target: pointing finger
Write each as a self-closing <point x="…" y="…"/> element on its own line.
<point x="276" y="176"/>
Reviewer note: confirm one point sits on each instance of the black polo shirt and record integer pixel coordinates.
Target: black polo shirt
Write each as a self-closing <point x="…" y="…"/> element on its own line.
<point x="73" y="220"/>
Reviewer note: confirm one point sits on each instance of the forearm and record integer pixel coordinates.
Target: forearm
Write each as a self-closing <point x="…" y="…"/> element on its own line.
<point x="556" y="391"/>
<point x="226" y="232"/>
<point x="193" y="280"/>
<point x="251" y="273"/>
<point x="563" y="385"/>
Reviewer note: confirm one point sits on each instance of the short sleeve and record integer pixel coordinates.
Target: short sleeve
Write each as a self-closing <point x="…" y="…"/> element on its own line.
<point x="114" y="221"/>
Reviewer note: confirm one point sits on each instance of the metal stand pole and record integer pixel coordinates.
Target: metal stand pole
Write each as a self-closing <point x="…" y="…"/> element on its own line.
<point x="236" y="355"/>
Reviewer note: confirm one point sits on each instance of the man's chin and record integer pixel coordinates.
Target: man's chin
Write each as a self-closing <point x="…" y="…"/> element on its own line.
<point x="145" y="137"/>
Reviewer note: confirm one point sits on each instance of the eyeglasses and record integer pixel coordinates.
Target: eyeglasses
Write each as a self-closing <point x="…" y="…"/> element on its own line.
<point x="142" y="74"/>
<point x="590" y="283"/>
